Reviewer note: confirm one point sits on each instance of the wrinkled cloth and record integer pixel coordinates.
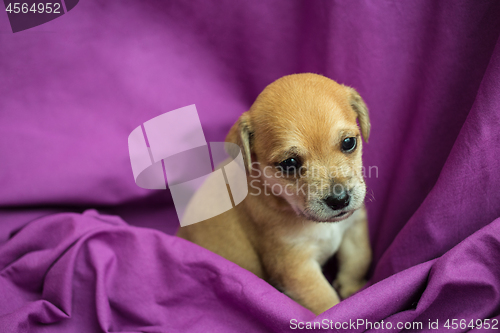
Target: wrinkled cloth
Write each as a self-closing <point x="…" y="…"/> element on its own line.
<point x="84" y="249"/>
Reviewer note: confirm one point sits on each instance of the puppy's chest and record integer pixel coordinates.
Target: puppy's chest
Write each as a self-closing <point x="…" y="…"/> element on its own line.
<point x="322" y="238"/>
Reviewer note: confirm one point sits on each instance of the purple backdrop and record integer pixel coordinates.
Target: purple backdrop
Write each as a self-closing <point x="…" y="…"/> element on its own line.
<point x="72" y="90"/>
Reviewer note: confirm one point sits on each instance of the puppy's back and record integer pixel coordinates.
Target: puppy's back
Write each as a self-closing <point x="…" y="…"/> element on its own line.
<point x="225" y="235"/>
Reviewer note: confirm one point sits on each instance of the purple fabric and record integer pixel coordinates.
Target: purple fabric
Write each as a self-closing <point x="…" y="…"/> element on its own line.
<point x="72" y="90"/>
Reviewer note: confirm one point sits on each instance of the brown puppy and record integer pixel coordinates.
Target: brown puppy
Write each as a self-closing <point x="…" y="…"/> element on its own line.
<point x="302" y="147"/>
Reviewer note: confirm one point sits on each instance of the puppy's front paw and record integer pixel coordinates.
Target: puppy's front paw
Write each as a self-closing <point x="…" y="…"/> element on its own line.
<point x="347" y="287"/>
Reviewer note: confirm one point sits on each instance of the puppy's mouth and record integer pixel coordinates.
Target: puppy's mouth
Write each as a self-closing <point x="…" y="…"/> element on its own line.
<point x="341" y="216"/>
<point x="336" y="218"/>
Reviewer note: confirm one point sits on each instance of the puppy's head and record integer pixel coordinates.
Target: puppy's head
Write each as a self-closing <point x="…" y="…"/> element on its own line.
<point x="302" y="146"/>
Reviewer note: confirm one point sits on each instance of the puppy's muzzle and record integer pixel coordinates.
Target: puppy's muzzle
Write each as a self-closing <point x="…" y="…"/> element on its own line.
<point x="338" y="201"/>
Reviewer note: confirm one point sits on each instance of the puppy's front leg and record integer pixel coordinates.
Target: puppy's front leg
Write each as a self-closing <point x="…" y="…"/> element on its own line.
<point x="301" y="278"/>
<point x="354" y="257"/>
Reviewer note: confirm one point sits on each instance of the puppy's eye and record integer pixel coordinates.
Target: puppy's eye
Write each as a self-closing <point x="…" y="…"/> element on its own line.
<point x="290" y="165"/>
<point x="348" y="144"/>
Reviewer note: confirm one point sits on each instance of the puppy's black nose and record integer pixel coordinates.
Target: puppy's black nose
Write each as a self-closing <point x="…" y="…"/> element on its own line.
<point x="336" y="202"/>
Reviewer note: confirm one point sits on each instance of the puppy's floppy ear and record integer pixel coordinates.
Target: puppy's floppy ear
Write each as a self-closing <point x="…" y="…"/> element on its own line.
<point x="241" y="133"/>
<point x="361" y="110"/>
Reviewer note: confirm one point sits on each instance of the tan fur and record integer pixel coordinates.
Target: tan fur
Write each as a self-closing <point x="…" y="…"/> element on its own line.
<point x="285" y="238"/>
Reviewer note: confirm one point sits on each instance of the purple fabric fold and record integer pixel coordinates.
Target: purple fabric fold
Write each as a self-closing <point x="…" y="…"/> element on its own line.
<point x="96" y="273"/>
<point x="78" y="247"/>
